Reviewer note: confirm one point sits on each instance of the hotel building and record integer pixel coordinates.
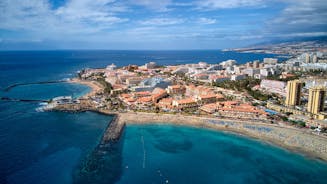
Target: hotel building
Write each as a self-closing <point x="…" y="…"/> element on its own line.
<point x="316" y="99"/>
<point x="293" y="93"/>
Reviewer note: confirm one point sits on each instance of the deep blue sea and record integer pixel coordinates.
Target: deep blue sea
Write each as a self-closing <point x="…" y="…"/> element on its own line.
<point x="58" y="147"/>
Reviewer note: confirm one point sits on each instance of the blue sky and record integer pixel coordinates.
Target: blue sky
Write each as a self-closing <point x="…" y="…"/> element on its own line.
<point x="156" y="24"/>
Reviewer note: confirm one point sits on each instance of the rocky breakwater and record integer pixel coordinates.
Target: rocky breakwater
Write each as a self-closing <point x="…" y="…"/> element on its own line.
<point x="105" y="162"/>
<point x="113" y="131"/>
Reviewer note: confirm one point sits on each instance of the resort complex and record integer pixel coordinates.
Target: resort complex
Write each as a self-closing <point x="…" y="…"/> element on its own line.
<point x="290" y="92"/>
<point x="163" y="91"/>
<point x="282" y="102"/>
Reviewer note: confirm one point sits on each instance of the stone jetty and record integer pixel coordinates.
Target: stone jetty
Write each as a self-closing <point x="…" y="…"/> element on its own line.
<point x="21" y="100"/>
<point x="113" y="131"/>
<point x="32" y="83"/>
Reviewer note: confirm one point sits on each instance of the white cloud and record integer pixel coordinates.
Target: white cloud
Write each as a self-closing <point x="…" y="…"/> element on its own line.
<point x="223" y="4"/>
<point x="22" y="15"/>
<point x="304" y="34"/>
<point x="204" y="20"/>
<point x="74" y="16"/>
<point x="102" y="21"/>
<point x="157" y="5"/>
<point x="162" y="21"/>
<point x="300" y="18"/>
<point x="91" y="11"/>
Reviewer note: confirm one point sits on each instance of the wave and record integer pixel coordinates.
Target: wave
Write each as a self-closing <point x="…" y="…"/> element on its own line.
<point x="43" y="103"/>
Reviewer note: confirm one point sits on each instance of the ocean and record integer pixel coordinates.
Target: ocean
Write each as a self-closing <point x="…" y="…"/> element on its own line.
<point x="58" y="147"/>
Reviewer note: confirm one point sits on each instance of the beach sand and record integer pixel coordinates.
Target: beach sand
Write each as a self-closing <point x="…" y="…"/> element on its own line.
<point x="95" y="87"/>
<point x="294" y="139"/>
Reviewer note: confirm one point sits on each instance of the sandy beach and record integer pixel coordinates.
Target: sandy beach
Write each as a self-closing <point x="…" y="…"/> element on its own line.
<point x="293" y="139"/>
<point x="95" y="87"/>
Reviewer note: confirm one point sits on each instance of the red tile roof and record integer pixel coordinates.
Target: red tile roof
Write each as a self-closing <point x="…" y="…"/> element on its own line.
<point x="176" y="86"/>
<point x="143" y="93"/>
<point x="186" y="101"/>
<point x="229" y="103"/>
<point x="125" y="95"/>
<point x="207" y="96"/>
<point x="145" y="99"/>
<point x="166" y="101"/>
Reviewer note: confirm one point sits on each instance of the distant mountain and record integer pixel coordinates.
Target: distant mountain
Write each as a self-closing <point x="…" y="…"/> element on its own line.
<point x="321" y="39"/>
<point x="291" y="47"/>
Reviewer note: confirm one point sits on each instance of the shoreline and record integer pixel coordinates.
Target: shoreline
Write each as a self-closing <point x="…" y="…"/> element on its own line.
<point x="301" y="142"/>
<point x="290" y="138"/>
<point x="95" y="87"/>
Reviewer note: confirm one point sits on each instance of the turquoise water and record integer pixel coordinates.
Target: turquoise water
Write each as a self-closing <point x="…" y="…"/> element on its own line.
<point x="58" y="147"/>
<point x="178" y="154"/>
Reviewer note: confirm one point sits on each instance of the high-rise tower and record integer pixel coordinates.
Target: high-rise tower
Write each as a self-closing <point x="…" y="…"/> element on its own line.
<point x="315" y="59"/>
<point x="293" y="95"/>
<point x="316" y="99"/>
<point x="307" y="58"/>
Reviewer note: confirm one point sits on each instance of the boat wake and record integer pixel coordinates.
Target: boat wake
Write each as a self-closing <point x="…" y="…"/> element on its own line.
<point x="144" y="155"/>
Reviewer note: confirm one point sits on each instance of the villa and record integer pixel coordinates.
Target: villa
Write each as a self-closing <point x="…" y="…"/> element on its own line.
<point x="185" y="103"/>
<point x="176" y="89"/>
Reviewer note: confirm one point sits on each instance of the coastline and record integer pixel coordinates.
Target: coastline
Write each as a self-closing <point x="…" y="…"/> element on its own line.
<point x="293" y="139"/>
<point x="95" y="87"/>
<point x="310" y="145"/>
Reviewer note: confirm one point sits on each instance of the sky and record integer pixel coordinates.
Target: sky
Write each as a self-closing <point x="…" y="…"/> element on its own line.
<point x="156" y="24"/>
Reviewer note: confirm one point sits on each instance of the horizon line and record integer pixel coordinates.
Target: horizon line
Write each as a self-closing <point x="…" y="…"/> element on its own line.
<point x="4" y="50"/>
